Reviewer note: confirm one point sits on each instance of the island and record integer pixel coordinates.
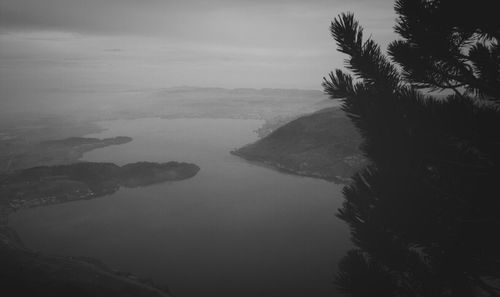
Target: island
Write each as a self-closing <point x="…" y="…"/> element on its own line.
<point x="324" y="144"/>
<point x="28" y="273"/>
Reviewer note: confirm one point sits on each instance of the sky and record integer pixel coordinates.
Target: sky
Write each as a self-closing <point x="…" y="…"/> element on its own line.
<point x="90" y="45"/>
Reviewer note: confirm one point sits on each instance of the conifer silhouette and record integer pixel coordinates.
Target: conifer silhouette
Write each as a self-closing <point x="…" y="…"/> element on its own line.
<point x="425" y="215"/>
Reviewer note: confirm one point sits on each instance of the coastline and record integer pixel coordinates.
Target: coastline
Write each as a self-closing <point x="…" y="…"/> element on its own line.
<point x="275" y="165"/>
<point x="28" y="272"/>
<point x="323" y="145"/>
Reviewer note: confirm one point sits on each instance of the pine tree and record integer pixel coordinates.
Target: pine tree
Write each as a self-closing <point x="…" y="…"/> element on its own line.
<point x="425" y="215"/>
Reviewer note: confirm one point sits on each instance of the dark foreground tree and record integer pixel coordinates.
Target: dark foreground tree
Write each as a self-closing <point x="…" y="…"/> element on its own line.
<point x="425" y="216"/>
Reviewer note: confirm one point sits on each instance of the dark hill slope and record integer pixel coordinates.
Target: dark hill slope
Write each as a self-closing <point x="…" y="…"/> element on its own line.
<point x="323" y="144"/>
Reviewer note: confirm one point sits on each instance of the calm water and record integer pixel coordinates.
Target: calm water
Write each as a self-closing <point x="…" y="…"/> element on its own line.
<point x="235" y="229"/>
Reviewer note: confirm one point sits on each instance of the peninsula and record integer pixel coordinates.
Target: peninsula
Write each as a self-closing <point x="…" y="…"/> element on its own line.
<point x="28" y="273"/>
<point x="324" y="144"/>
<point x="85" y="180"/>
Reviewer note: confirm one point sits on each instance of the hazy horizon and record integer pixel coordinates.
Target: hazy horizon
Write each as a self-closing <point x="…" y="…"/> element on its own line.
<point x="53" y="46"/>
<point x="169" y="91"/>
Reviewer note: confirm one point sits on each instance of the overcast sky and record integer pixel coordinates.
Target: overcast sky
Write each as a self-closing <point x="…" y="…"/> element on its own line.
<point x="92" y="44"/>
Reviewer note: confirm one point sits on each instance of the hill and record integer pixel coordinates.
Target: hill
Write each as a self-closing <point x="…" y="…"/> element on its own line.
<point x="323" y="144"/>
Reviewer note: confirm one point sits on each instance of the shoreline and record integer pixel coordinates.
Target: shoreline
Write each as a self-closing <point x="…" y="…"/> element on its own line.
<point x="289" y="170"/>
<point x="52" y="275"/>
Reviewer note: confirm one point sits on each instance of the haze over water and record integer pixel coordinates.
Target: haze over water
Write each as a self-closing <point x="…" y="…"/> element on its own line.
<point x="53" y="53"/>
<point x="235" y="229"/>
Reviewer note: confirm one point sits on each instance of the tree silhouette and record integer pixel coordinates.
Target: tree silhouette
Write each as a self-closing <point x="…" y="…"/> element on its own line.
<point x="449" y="45"/>
<point x="424" y="217"/>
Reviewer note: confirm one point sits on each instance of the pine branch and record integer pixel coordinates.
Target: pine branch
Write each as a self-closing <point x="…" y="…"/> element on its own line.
<point x="366" y="60"/>
<point x="340" y="85"/>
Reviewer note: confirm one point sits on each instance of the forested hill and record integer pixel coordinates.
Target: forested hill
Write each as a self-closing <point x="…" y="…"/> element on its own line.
<point x="324" y="144"/>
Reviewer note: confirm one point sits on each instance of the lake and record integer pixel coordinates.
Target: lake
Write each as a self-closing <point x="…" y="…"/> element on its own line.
<point x="235" y="229"/>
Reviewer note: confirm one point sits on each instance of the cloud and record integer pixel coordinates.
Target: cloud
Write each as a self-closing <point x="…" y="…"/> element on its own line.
<point x="232" y="43"/>
<point x="162" y="16"/>
<point x="89" y="16"/>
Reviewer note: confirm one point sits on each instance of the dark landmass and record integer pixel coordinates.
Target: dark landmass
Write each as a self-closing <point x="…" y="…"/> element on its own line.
<point x="16" y="155"/>
<point x="28" y="273"/>
<point x="274" y="123"/>
<point x="55" y="184"/>
<point x="324" y="144"/>
<point x="147" y="173"/>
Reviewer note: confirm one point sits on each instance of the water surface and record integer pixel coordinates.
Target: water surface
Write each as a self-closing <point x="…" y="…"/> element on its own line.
<point x="235" y="229"/>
